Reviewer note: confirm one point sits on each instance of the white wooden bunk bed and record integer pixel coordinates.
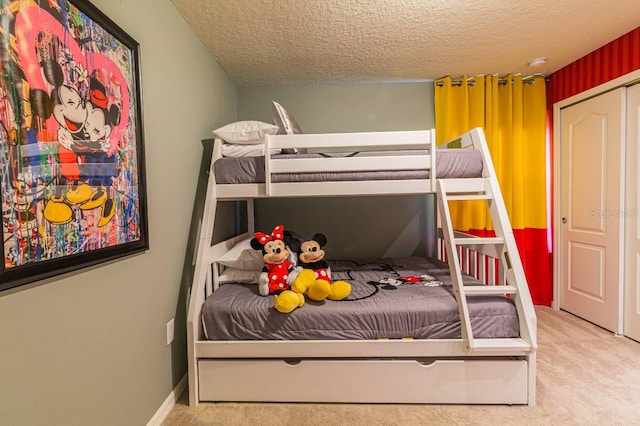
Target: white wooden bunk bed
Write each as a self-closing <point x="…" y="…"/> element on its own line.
<point x="464" y="369"/>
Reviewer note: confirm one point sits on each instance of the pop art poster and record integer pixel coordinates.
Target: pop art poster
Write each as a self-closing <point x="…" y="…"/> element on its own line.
<point x="71" y="152"/>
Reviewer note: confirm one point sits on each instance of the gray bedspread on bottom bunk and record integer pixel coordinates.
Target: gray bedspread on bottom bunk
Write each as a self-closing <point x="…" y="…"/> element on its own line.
<point x="384" y="303"/>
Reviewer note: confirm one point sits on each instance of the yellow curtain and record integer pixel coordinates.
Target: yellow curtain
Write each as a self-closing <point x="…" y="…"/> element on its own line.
<point x="512" y="112"/>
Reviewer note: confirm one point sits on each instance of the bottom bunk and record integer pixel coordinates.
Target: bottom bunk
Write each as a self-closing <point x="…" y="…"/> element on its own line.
<point x="395" y="339"/>
<point x="401" y="298"/>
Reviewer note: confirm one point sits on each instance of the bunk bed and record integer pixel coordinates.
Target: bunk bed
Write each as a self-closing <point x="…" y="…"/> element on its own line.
<point x="469" y="363"/>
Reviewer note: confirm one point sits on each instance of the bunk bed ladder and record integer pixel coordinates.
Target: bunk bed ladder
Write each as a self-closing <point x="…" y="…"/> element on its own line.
<point x="502" y="246"/>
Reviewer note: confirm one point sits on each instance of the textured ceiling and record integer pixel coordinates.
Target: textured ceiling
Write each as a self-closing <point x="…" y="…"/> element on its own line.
<point x="282" y="42"/>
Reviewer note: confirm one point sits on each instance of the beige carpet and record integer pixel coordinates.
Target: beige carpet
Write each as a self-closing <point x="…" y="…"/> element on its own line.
<point x="586" y="376"/>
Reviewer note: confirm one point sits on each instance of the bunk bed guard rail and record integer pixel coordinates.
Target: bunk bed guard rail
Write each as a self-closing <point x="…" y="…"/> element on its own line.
<point x="417" y="153"/>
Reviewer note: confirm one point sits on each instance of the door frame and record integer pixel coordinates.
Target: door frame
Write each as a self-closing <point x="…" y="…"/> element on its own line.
<point x="556" y="216"/>
<point x="631" y="316"/>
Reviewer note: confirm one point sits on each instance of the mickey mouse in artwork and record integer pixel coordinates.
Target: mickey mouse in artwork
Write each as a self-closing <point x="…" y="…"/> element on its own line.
<point x="68" y="108"/>
<point x="314" y="273"/>
<point x="278" y="272"/>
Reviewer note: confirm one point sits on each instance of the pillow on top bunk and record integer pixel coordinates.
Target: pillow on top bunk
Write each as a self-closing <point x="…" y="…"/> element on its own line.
<point x="287" y="125"/>
<point x="243" y="256"/>
<point x="248" y="132"/>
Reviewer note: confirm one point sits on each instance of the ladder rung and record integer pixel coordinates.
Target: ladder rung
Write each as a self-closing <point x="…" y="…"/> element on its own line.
<point x="464" y="185"/>
<point x="489" y="290"/>
<point x="469" y="197"/>
<point x="501" y="344"/>
<point x="478" y="240"/>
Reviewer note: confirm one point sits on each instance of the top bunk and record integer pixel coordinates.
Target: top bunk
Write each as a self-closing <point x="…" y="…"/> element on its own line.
<point x="347" y="164"/>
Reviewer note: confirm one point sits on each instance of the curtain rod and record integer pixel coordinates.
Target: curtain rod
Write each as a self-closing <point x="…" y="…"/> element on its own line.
<point x="470" y="80"/>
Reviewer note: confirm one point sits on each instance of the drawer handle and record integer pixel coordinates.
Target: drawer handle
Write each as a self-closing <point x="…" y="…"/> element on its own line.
<point x="292" y="361"/>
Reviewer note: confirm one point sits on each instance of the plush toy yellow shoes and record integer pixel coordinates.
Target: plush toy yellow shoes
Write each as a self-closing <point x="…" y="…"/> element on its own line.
<point x="339" y="290"/>
<point x="306" y="282"/>
<point x="287" y="301"/>
<point x="317" y="290"/>
<point x="303" y="281"/>
<point x="320" y="290"/>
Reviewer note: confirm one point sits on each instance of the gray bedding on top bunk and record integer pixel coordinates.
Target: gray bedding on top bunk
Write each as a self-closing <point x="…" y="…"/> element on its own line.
<point x="375" y="309"/>
<point x="450" y="163"/>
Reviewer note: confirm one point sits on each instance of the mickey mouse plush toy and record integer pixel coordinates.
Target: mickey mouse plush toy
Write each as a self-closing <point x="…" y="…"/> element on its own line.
<point x="314" y="273"/>
<point x="278" y="272"/>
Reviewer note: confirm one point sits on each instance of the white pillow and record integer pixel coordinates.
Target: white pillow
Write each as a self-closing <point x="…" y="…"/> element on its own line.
<point x="243" y="256"/>
<point x="246" y="132"/>
<point x="235" y="150"/>
<point x="239" y="276"/>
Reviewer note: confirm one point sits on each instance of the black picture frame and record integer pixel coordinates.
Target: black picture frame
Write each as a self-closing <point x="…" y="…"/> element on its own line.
<point x="72" y="165"/>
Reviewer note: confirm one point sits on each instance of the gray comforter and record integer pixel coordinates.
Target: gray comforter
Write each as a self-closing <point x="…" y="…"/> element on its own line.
<point x="384" y="303"/>
<point x="450" y="163"/>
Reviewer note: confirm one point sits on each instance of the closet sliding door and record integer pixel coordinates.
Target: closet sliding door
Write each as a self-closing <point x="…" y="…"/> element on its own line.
<point x="591" y="196"/>
<point x="632" y="231"/>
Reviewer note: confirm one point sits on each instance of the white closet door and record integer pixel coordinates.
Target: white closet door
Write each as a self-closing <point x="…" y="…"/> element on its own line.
<point x="632" y="232"/>
<point x="591" y="201"/>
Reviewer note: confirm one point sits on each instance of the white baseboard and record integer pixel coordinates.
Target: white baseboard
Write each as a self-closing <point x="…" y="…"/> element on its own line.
<point x="168" y="403"/>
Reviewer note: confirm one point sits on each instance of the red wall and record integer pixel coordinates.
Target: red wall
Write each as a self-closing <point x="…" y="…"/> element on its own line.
<point x="611" y="61"/>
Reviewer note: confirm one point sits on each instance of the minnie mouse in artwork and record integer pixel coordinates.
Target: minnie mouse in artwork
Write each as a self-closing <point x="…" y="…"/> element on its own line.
<point x="96" y="166"/>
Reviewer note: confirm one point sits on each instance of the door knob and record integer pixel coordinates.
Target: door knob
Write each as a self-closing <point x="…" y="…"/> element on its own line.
<point x="564" y="220"/>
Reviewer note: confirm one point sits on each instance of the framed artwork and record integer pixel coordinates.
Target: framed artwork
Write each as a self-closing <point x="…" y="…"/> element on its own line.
<point x="72" y="178"/>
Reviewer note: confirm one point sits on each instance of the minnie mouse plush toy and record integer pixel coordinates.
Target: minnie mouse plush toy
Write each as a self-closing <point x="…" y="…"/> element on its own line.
<point x="278" y="272"/>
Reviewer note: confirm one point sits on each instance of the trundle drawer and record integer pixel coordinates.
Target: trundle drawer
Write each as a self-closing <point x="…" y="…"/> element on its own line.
<point x="390" y="381"/>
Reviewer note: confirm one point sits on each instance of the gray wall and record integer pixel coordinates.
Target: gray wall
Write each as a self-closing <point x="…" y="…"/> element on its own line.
<point x="90" y="348"/>
<point x="327" y="108"/>
<point x="355" y="227"/>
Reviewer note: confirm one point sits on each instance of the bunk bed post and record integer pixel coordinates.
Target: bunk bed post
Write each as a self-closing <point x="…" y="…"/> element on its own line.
<point x="531" y="366"/>
<point x="201" y="278"/>
<point x="432" y="151"/>
<point x="251" y="218"/>
<point x="433" y="223"/>
<point x="267" y="164"/>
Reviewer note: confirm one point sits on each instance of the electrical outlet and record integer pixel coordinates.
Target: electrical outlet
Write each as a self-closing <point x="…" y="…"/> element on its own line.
<point x="170" y="332"/>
